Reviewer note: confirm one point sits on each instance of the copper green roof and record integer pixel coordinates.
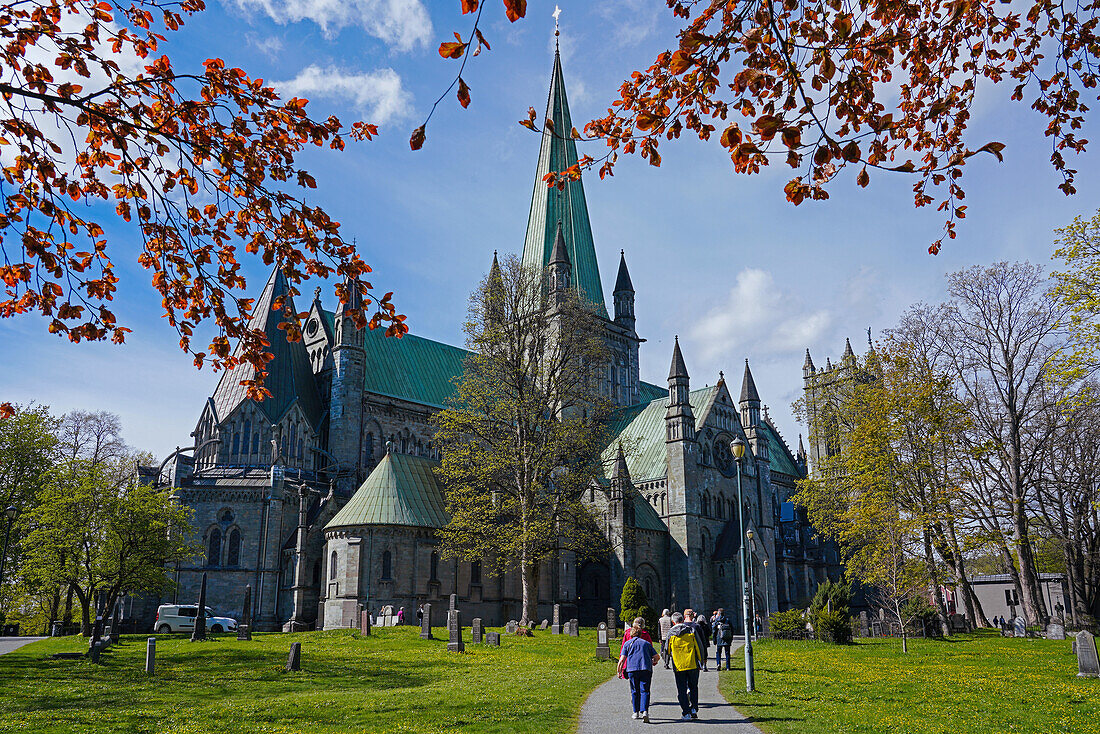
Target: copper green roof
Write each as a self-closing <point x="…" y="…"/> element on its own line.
<point x="289" y="373"/>
<point x="648" y="392"/>
<point x="779" y="456"/>
<point x="645" y="517"/>
<point x="411" y="368"/>
<point x="402" y="490"/>
<point x="549" y="206"/>
<point x="641" y="428"/>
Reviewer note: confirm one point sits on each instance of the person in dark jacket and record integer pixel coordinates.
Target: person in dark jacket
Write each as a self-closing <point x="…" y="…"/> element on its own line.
<point x="702" y="632"/>
<point x="722" y="629"/>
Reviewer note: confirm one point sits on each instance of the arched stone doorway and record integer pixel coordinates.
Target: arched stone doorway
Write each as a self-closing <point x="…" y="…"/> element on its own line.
<point x="594" y="593"/>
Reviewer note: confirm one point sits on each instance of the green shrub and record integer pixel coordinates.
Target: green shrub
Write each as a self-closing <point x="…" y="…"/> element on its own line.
<point x="788" y="625"/>
<point x="834" y="627"/>
<point x="633" y="603"/>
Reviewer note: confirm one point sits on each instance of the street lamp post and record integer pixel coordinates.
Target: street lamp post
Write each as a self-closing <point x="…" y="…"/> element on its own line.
<point x="9" y="513"/>
<point x="737" y="448"/>
<point x="752" y="578"/>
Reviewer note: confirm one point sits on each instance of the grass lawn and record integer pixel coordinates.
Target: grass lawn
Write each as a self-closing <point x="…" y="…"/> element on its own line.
<point x="978" y="683"/>
<point x="389" y="682"/>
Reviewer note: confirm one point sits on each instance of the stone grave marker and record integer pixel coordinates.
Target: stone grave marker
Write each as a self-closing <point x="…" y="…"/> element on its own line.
<point x="454" y="600"/>
<point x="244" y="624"/>
<point x="454" y="631"/>
<point x="199" y="633"/>
<point x="364" y="623"/>
<point x="1055" y="631"/>
<point x="426" y="623"/>
<point x="493" y="639"/>
<point x="545" y="624"/>
<point x="294" y="662"/>
<point x="556" y="628"/>
<point x="603" y="652"/>
<point x="96" y="649"/>
<point x="1088" y="665"/>
<point x="1019" y="627"/>
<point x="511" y="627"/>
<point x="864" y="625"/>
<point x="574" y="628"/>
<point x="612" y="621"/>
<point x="150" y="654"/>
<point x="475" y="630"/>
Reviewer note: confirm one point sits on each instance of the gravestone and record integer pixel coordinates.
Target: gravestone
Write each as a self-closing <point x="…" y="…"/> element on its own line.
<point x="555" y="629"/>
<point x="545" y="624"/>
<point x="603" y="652"/>
<point x="1019" y="627"/>
<point x="244" y="626"/>
<point x="426" y="623"/>
<point x="116" y="622"/>
<point x="199" y="633"/>
<point x="574" y="628"/>
<point x="475" y="630"/>
<point x="150" y="654"/>
<point x="454" y="631"/>
<point x="1088" y="665"/>
<point x="492" y="639"/>
<point x="511" y="627"/>
<point x="96" y="649"/>
<point x="1055" y="632"/>
<point x="294" y="662"/>
<point x="364" y="623"/>
<point x="612" y="621"/>
<point x="864" y="626"/>
<point x="454" y="600"/>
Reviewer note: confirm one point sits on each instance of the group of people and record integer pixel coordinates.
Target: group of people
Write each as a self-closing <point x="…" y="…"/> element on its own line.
<point x="685" y="639"/>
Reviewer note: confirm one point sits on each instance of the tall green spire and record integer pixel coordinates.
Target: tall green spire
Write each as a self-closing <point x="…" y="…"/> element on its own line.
<point x="551" y="206"/>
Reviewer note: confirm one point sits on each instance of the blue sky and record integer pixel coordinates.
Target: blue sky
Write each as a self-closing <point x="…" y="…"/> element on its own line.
<point x="719" y="259"/>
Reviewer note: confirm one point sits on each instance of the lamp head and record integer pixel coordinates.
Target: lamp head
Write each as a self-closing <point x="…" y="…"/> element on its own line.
<point x="748" y="534"/>
<point x="765" y="563"/>
<point x="11" y="512"/>
<point x="737" y="447"/>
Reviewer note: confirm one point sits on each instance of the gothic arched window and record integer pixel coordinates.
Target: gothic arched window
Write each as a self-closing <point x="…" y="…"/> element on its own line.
<point x="434" y="567"/>
<point x="256" y="442"/>
<point x="387" y="566"/>
<point x="234" y="553"/>
<point x="247" y="436"/>
<point x="368" y="447"/>
<point x="332" y="561"/>
<point x="301" y="448"/>
<point x="475" y="572"/>
<point x="214" y="547"/>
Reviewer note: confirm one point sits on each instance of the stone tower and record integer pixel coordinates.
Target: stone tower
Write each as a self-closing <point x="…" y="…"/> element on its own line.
<point x="683" y="501"/>
<point x="346" y="404"/>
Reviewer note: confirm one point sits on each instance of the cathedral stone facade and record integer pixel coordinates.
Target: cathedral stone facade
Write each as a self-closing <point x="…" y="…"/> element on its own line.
<point x="324" y="496"/>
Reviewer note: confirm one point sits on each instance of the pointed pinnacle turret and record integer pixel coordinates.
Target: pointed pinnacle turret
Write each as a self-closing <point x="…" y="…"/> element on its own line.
<point x="678" y="369"/>
<point x="559" y="255"/>
<point x="809" y="363"/>
<point x="622" y="280"/>
<point x="621" y="470"/>
<point x="848" y="348"/>
<point x="748" y="387"/>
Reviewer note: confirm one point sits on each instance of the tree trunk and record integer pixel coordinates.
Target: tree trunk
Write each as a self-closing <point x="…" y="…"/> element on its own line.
<point x="934" y="583"/>
<point x="529" y="579"/>
<point x="1032" y="597"/>
<point x="85" y="611"/>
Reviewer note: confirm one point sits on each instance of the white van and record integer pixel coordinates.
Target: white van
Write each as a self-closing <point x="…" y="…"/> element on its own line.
<point x="181" y="618"/>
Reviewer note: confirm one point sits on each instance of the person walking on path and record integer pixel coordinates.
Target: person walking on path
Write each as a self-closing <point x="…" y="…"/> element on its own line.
<point x="683" y="647"/>
<point x="664" y="625"/>
<point x="701" y="632"/>
<point x="633" y="631"/>
<point x="637" y="660"/>
<point x="723" y="638"/>
<point x="401" y="615"/>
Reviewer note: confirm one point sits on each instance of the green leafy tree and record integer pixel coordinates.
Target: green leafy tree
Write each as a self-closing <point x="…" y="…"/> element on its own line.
<point x="521" y="443"/>
<point x="27" y="448"/>
<point x="87" y="536"/>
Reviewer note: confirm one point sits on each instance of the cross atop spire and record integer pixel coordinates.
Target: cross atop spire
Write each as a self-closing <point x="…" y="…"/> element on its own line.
<point x="556" y="14"/>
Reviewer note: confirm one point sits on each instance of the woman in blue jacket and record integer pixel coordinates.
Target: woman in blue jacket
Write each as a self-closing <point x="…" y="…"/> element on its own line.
<point x="637" y="660"/>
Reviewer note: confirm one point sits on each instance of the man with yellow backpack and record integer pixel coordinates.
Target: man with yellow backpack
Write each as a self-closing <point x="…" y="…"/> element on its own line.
<point x="682" y="645"/>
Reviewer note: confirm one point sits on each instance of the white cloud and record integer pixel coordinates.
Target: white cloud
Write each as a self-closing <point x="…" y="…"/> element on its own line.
<point x="758" y="317"/>
<point x="378" y="95"/>
<point x="269" y="46"/>
<point x="400" y="23"/>
<point x="632" y="20"/>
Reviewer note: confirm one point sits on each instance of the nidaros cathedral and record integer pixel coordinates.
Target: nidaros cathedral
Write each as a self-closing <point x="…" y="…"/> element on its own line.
<point x="324" y="498"/>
